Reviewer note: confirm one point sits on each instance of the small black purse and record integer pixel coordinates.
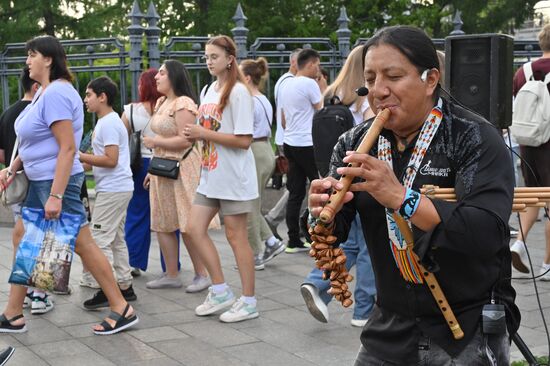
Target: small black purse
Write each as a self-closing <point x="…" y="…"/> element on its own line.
<point x="168" y="168"/>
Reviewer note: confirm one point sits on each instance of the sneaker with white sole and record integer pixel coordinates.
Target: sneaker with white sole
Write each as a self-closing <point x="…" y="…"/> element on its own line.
<point x="28" y="300"/>
<point x="544" y="272"/>
<point x="88" y="283"/>
<point x="317" y="308"/>
<point x="214" y="303"/>
<point x="164" y="282"/>
<point x="297" y="248"/>
<point x="239" y="311"/>
<point x="41" y="305"/>
<point x="199" y="283"/>
<point x="520" y="261"/>
<point x="360" y="323"/>
<point x="259" y="263"/>
<point x="271" y="251"/>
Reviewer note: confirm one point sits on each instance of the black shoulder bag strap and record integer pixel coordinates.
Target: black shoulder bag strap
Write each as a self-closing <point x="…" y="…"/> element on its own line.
<point x="132" y="117"/>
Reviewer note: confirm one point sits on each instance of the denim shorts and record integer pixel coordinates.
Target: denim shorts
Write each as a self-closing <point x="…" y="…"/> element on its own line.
<point x="39" y="192"/>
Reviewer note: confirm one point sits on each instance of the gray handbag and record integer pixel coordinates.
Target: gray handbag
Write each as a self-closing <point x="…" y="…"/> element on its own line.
<point x="17" y="190"/>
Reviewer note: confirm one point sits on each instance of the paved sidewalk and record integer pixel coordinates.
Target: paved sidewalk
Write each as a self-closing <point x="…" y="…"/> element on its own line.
<point x="169" y="333"/>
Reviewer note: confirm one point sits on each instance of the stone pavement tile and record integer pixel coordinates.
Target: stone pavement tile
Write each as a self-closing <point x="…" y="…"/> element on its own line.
<point x="281" y="336"/>
<point x="41" y="331"/>
<point x="8" y="340"/>
<point x="267" y="304"/>
<point x="70" y="352"/>
<point x="47" y="351"/>
<point x="266" y="355"/>
<point x="158" y="334"/>
<point x="532" y="337"/>
<point x="529" y="302"/>
<point x="285" y="296"/>
<point x="299" y="269"/>
<point x="532" y="319"/>
<point x="298" y="320"/>
<point x="64" y="315"/>
<point x="85" y="359"/>
<point x="23" y="356"/>
<point x="346" y="338"/>
<point x="178" y="317"/>
<point x="193" y="352"/>
<point x="216" y="333"/>
<point x="286" y="280"/>
<point x="121" y="348"/>
<point x="80" y="330"/>
<point x="164" y="361"/>
<point x="155" y="305"/>
<point x="326" y="355"/>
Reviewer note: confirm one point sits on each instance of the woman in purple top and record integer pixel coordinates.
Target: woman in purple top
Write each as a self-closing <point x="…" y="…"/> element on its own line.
<point x="49" y="133"/>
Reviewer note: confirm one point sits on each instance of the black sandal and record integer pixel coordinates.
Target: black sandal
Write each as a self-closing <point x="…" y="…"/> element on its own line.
<point x="7" y="327"/>
<point x="121" y="322"/>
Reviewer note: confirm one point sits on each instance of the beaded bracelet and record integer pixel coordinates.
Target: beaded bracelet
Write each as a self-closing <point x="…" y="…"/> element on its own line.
<point x="410" y="204"/>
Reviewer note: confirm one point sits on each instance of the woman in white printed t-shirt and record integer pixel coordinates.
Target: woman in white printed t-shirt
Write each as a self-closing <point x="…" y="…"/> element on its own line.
<point x="228" y="181"/>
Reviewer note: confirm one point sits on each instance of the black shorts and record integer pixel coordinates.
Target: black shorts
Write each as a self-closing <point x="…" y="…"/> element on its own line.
<point x="538" y="159"/>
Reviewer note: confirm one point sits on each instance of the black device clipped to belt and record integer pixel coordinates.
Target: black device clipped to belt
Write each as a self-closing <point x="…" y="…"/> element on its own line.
<point x="168" y="168"/>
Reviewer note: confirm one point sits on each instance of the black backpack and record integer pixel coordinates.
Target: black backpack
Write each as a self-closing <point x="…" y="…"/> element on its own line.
<point x="328" y="124"/>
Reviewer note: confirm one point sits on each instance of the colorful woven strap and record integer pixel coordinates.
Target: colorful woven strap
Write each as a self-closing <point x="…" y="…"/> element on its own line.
<point x="400" y="249"/>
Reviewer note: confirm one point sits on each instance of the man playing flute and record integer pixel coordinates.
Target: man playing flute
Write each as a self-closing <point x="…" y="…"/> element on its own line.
<point x="427" y="139"/>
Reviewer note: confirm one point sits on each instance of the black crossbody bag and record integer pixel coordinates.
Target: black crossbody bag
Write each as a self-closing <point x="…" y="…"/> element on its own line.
<point x="168" y="168"/>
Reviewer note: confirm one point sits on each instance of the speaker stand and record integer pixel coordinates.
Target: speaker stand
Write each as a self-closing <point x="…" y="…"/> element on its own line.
<point x="520" y="344"/>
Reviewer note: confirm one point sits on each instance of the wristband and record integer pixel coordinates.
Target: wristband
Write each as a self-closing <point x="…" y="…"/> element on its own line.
<point x="311" y="221"/>
<point x="58" y="196"/>
<point x="410" y="204"/>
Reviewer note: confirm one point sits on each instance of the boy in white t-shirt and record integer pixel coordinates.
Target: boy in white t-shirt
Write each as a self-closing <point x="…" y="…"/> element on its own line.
<point x="110" y="162"/>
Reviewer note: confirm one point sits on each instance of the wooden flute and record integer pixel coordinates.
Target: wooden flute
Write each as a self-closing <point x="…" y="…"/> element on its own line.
<point x="335" y="201"/>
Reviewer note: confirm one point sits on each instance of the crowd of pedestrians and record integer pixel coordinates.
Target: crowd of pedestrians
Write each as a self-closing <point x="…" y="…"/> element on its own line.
<point x="223" y="135"/>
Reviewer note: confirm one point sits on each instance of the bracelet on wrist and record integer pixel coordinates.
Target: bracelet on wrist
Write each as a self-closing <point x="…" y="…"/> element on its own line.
<point x="58" y="196"/>
<point x="410" y="204"/>
<point x="311" y="221"/>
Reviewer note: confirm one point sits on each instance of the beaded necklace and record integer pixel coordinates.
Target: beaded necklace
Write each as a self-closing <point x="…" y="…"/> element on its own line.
<point x="400" y="249"/>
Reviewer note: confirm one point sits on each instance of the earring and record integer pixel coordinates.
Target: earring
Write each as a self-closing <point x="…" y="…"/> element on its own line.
<point x="228" y="66"/>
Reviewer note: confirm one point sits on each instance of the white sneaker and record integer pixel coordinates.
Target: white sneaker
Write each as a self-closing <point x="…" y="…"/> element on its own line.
<point x="215" y="302"/>
<point x="239" y="311"/>
<point x="199" y="283"/>
<point x="520" y="261"/>
<point x="164" y="282"/>
<point x="41" y="305"/>
<point x="28" y="300"/>
<point x="314" y="304"/>
<point x="545" y="272"/>
<point x="359" y="322"/>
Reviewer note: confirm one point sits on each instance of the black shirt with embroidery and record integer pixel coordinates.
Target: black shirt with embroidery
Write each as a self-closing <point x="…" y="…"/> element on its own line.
<point x="468" y="251"/>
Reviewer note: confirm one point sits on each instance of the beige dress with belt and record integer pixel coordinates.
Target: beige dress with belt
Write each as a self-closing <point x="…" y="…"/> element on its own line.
<point x="171" y="199"/>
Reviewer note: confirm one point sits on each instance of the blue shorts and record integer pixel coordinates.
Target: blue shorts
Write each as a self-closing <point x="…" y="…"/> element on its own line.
<point x="39" y="192"/>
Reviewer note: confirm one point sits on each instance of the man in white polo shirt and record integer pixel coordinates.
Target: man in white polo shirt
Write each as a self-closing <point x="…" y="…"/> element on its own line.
<point x="301" y="98"/>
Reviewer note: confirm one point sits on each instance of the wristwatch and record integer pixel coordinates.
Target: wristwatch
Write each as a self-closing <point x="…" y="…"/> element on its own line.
<point x="58" y="196"/>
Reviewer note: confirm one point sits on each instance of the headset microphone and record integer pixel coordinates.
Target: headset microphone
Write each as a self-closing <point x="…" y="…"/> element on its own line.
<point x="362" y="91"/>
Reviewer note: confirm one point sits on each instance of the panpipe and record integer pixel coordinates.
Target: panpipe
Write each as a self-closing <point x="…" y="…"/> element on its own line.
<point x="332" y="260"/>
<point x="523" y="196"/>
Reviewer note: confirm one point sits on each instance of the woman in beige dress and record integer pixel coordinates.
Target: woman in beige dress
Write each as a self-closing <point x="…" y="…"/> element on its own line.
<point x="171" y="199"/>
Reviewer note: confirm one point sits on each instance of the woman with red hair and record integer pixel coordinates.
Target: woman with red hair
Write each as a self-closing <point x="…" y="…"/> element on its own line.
<point x="136" y="116"/>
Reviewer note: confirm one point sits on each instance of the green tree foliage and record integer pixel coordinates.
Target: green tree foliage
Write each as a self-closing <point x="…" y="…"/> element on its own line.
<point x="23" y="19"/>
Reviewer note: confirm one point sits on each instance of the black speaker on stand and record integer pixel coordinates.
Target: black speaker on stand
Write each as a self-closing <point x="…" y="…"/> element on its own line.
<point x="479" y="73"/>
